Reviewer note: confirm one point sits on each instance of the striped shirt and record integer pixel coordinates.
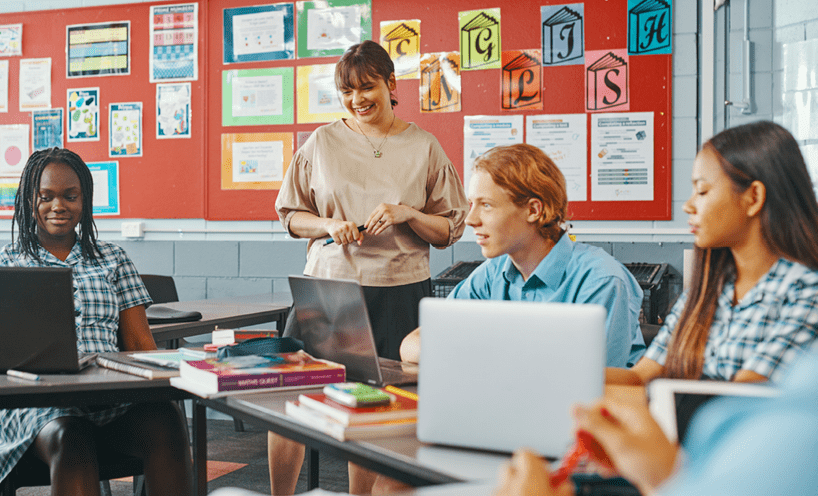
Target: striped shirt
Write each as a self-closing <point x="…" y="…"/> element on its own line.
<point x="772" y="324"/>
<point x="102" y="288"/>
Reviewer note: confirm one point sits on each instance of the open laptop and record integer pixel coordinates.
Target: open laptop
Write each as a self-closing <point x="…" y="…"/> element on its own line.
<point x="37" y="325"/>
<point x="334" y="325"/>
<point x="499" y="375"/>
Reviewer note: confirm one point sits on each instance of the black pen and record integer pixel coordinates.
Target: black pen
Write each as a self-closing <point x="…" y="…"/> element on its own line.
<point x="330" y="240"/>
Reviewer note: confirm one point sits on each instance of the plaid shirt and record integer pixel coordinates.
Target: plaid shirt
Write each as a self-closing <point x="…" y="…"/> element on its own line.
<point x="774" y="322"/>
<point x="102" y="289"/>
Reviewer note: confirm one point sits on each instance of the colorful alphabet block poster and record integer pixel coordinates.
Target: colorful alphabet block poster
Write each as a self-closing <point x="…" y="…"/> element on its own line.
<point x="522" y="80"/>
<point x="402" y="40"/>
<point x="650" y="27"/>
<point x="260" y="32"/>
<point x="328" y="27"/>
<point x="83" y="114"/>
<point x="440" y="82"/>
<point x="480" y="39"/>
<point x="563" y="39"/>
<point x="606" y="81"/>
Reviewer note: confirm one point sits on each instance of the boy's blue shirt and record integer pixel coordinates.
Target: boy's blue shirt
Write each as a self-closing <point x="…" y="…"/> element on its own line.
<point x="570" y="273"/>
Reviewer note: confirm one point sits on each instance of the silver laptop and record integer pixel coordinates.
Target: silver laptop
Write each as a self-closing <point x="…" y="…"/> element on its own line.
<point x="37" y="325"/>
<point x="499" y="375"/>
<point x="334" y="325"/>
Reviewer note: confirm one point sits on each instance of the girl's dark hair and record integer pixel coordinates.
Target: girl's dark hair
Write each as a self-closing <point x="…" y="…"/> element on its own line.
<point x="362" y="62"/>
<point x="761" y="151"/>
<point x="28" y="197"/>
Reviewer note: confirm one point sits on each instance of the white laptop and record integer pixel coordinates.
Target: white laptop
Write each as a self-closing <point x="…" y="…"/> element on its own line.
<point x="499" y="375"/>
<point x="674" y="402"/>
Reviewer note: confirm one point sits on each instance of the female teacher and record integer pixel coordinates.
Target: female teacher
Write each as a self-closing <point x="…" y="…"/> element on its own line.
<point x="385" y="175"/>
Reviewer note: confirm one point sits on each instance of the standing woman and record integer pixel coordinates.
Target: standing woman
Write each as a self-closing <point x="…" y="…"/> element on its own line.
<point x="54" y="197"/>
<point x="389" y="176"/>
<point x="753" y="300"/>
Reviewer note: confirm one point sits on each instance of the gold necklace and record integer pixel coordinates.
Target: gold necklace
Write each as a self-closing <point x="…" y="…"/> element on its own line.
<point x="377" y="151"/>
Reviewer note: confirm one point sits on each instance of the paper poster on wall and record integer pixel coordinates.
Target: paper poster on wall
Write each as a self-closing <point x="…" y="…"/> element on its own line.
<point x="480" y="39"/>
<point x="521" y="87"/>
<point x="257" y="96"/>
<point x="606" y="81"/>
<point x="83" y="114"/>
<point x="440" y="82"/>
<point x="301" y="137"/>
<point x="564" y="138"/>
<point x="46" y="129"/>
<point x="4" y="85"/>
<point x="8" y="190"/>
<point x="173" y="110"/>
<point x="318" y="99"/>
<point x="483" y="132"/>
<point x="11" y="40"/>
<point x="622" y="156"/>
<point x="125" y="129"/>
<point x="326" y="28"/>
<point x="402" y="40"/>
<point x="258" y="33"/>
<point x="255" y="160"/>
<point x="174" y="47"/>
<point x="650" y="27"/>
<point x="563" y="34"/>
<point x="106" y="187"/>
<point x="35" y="84"/>
<point x="14" y="151"/>
<point x="102" y="49"/>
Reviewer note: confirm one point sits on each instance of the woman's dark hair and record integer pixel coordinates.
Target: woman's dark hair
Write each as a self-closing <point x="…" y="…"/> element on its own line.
<point x="27" y="199"/>
<point x="362" y="62"/>
<point x="761" y="151"/>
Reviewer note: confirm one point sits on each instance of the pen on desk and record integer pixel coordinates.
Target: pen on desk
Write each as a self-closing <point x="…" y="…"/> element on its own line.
<point x="330" y="240"/>
<point x="22" y="375"/>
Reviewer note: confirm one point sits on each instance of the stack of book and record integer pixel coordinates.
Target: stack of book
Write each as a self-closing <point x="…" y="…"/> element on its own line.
<point x="245" y="373"/>
<point x="343" y="422"/>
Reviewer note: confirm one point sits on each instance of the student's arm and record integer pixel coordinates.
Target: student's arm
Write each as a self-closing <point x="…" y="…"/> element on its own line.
<point x="134" y="331"/>
<point x="748" y="376"/>
<point x="410" y="347"/>
<point x="612" y="293"/>
<point x="640" y="374"/>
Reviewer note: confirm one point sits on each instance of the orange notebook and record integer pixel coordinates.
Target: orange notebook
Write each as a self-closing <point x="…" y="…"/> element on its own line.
<point x="402" y="408"/>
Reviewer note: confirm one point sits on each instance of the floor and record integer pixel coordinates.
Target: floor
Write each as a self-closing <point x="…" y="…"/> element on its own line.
<point x="239" y="459"/>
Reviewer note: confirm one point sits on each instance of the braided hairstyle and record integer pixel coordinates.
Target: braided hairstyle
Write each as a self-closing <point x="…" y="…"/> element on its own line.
<point x="27" y="200"/>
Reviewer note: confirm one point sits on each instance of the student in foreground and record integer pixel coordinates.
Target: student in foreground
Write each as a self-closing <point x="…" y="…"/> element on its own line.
<point x="735" y="446"/>
<point x="54" y="198"/>
<point x="518" y="211"/>
<point x="753" y="302"/>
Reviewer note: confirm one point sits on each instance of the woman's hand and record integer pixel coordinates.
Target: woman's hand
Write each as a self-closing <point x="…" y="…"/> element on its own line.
<point x="526" y="474"/>
<point x="386" y="215"/>
<point x="343" y="232"/>
<point x="632" y="440"/>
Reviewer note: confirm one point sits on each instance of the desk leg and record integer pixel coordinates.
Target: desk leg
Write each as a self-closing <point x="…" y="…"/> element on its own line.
<point x="199" y="448"/>
<point x="312" y="469"/>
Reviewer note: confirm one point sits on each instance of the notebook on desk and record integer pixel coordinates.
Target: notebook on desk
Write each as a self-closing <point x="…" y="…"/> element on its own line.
<point x="499" y="375"/>
<point x="37" y="325"/>
<point x="334" y="325"/>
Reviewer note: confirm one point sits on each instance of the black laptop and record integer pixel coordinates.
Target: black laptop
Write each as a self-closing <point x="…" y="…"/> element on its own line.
<point x="37" y="325"/>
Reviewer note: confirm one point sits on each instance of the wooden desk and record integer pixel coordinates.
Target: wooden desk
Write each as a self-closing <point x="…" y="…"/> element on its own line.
<point x="401" y="457"/>
<point x="226" y="313"/>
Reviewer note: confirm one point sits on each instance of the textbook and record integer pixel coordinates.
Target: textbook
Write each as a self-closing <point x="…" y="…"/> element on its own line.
<point x="247" y="372"/>
<point x="341" y="432"/>
<point x="123" y="362"/>
<point x="402" y="408"/>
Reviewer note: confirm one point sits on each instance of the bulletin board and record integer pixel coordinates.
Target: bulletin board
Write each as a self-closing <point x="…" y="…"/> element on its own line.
<point x="182" y="178"/>
<point x="606" y="28"/>
<point x="167" y="181"/>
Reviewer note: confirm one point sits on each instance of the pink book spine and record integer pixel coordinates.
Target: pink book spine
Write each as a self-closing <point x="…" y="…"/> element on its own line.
<point x="295" y="378"/>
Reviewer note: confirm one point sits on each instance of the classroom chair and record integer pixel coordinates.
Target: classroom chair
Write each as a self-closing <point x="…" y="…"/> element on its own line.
<point x="31" y="472"/>
<point x="649" y="331"/>
<point x="161" y="288"/>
